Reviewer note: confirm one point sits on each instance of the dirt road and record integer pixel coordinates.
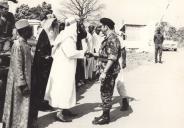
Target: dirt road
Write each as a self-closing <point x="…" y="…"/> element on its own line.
<point x="158" y="90"/>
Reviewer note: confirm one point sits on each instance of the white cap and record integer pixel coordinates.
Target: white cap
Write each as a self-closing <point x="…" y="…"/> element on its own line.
<point x="22" y="24"/>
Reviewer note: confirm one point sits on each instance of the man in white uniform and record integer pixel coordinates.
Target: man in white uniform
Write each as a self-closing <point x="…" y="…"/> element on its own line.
<point x="120" y="80"/>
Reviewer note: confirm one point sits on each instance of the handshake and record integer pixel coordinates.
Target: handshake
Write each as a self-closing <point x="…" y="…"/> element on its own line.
<point x="88" y="54"/>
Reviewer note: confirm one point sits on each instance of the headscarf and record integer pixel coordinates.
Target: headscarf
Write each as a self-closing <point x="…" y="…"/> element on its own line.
<point x="70" y="31"/>
<point x="47" y="26"/>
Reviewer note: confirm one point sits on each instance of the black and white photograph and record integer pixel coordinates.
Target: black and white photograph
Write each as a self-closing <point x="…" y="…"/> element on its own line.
<point x="91" y="64"/>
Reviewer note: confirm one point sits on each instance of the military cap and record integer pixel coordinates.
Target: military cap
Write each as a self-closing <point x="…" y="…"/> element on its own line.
<point x="108" y="22"/>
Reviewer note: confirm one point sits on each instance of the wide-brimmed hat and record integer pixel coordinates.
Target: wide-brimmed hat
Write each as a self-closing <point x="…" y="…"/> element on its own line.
<point x="22" y="24"/>
<point x="4" y="4"/>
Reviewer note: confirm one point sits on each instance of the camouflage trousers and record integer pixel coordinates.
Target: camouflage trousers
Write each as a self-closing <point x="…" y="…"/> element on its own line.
<point x="107" y="89"/>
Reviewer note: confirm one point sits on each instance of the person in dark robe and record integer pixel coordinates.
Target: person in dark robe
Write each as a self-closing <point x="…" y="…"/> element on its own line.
<point x="41" y="66"/>
<point x="80" y="73"/>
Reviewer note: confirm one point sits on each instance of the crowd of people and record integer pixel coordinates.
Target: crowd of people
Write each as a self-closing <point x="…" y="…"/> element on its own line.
<point x="66" y="55"/>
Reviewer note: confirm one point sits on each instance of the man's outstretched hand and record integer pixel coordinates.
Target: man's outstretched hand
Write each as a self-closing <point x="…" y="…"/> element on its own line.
<point x="88" y="54"/>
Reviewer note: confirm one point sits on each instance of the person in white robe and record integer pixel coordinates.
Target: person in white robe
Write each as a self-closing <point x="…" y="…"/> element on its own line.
<point x="120" y="83"/>
<point x="98" y="38"/>
<point x="89" y="62"/>
<point x="61" y="90"/>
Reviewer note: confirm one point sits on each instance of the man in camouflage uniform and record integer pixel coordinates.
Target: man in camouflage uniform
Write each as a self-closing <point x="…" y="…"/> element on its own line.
<point x="158" y="40"/>
<point x="109" y="55"/>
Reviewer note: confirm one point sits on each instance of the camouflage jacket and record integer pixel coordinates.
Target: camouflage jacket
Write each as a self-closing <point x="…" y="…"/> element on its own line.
<point x="110" y="50"/>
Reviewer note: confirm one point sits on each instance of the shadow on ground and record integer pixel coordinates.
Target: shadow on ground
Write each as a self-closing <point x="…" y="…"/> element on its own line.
<point x="116" y="113"/>
<point x="86" y="108"/>
<point x="81" y="90"/>
<point x="80" y="110"/>
<point x="46" y="120"/>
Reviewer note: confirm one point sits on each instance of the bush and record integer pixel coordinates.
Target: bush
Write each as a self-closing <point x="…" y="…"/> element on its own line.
<point x="39" y="12"/>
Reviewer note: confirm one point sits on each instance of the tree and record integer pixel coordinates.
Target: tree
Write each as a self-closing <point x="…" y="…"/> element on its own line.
<point x="82" y="8"/>
<point x="35" y="12"/>
<point x="22" y="12"/>
<point x="180" y="34"/>
<point x="39" y="12"/>
<point x="171" y="32"/>
<point x="46" y="9"/>
<point x="168" y="30"/>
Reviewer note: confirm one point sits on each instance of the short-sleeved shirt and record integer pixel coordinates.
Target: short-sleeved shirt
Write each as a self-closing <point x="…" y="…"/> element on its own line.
<point x="110" y="50"/>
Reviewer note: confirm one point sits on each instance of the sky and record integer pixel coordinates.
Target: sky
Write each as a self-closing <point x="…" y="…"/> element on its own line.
<point x="131" y="11"/>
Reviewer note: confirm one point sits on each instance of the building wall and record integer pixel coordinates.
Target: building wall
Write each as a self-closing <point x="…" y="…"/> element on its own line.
<point x="34" y="24"/>
<point x="134" y="33"/>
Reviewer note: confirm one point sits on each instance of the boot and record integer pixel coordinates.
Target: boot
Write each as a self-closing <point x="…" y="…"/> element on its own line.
<point x="103" y="119"/>
<point x="125" y="105"/>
